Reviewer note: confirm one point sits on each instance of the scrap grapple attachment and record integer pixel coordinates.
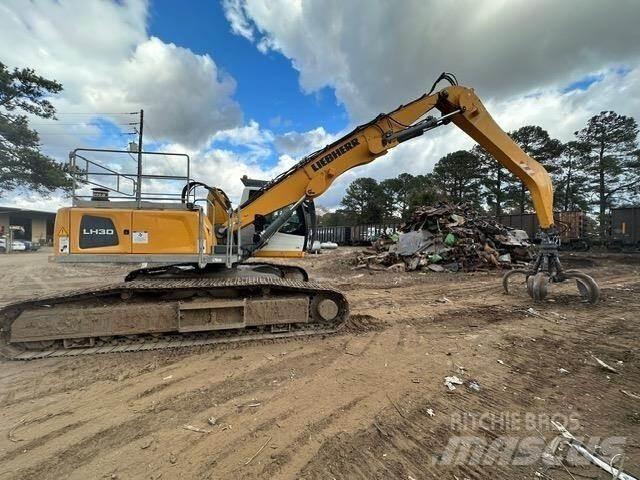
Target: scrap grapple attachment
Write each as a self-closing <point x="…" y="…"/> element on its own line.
<point x="546" y="269"/>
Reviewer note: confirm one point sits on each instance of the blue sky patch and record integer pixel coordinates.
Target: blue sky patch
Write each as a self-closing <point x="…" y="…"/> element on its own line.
<point x="267" y="89"/>
<point x="584" y="83"/>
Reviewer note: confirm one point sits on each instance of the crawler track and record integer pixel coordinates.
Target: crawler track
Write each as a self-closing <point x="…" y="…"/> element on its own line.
<point x="148" y="294"/>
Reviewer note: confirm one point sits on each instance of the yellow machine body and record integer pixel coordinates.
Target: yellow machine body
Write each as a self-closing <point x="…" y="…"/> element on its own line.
<point x="115" y="231"/>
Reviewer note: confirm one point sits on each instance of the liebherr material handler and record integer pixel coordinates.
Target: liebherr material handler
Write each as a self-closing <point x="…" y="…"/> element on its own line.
<point x="209" y="293"/>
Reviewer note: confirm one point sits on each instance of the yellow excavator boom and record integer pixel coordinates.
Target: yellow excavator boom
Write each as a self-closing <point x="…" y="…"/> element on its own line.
<point x="460" y="105"/>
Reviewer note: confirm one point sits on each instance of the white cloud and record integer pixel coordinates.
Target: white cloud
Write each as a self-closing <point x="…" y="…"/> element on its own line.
<point x="518" y="55"/>
<point x="264" y="155"/>
<point x="303" y="143"/>
<point x="33" y="201"/>
<point x="240" y="24"/>
<point x="378" y="54"/>
<point x="100" y="51"/>
<point x="223" y="168"/>
<point x="255" y="143"/>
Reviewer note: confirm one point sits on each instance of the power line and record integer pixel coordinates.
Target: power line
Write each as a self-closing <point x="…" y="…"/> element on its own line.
<point x="64" y="134"/>
<point x="96" y="113"/>
<point x="86" y="134"/>
<point x="84" y="123"/>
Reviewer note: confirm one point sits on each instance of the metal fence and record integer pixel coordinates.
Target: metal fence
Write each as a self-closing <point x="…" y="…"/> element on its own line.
<point x="339" y="235"/>
<point x="355" y="235"/>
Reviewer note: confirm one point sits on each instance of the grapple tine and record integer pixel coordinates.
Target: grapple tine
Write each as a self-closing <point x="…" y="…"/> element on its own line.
<point x="510" y="273"/>
<point x="583" y="289"/>
<point x="539" y="286"/>
<point x="586" y="284"/>
<point x="530" y="285"/>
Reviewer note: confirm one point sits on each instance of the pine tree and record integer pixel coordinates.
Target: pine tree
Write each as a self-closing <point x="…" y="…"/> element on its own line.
<point x="406" y="191"/>
<point x="21" y="162"/>
<point x="499" y="184"/>
<point x="571" y="185"/>
<point x="613" y="168"/>
<point x="458" y="176"/>
<point x="365" y="201"/>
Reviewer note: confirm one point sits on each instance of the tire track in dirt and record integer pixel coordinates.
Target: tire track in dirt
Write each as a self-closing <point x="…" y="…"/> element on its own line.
<point x="187" y="403"/>
<point x="312" y="422"/>
<point x="108" y="368"/>
<point x="363" y="455"/>
<point x="314" y="417"/>
<point x="234" y="442"/>
<point x="314" y="427"/>
<point x="405" y="447"/>
<point x="43" y="440"/>
<point x="284" y="459"/>
<point x="377" y="400"/>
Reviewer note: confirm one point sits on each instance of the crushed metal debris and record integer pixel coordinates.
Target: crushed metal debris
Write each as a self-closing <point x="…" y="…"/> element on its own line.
<point x="448" y="237"/>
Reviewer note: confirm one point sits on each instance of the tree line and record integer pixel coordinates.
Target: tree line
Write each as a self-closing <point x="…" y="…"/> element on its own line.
<point x="596" y="170"/>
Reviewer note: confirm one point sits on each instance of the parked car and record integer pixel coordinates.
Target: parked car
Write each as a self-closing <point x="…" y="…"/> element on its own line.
<point x="30" y="246"/>
<point x="16" y="245"/>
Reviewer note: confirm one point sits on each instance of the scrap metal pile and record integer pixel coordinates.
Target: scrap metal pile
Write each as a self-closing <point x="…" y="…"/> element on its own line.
<point x="448" y="237"/>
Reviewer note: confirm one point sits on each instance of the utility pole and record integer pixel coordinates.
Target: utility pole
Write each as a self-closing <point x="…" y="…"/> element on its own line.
<point x="139" y="189"/>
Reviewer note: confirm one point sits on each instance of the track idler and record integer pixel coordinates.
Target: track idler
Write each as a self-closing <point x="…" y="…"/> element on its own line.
<point x="546" y="270"/>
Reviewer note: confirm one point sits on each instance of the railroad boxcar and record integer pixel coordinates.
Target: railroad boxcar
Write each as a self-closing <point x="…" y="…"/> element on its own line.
<point x="572" y="226"/>
<point x="625" y="228"/>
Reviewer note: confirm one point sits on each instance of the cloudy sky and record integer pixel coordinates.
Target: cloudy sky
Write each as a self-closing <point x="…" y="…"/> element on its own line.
<point x="250" y="86"/>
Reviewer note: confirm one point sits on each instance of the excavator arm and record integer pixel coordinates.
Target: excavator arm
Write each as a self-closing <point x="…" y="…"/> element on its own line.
<point x="312" y="176"/>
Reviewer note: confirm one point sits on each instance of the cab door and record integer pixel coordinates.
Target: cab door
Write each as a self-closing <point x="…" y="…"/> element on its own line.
<point x="292" y="238"/>
<point x="100" y="230"/>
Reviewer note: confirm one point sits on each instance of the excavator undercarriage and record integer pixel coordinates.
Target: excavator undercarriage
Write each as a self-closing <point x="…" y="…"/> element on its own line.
<point x="168" y="310"/>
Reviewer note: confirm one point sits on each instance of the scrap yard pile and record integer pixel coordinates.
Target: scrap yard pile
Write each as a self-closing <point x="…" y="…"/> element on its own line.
<point x="447" y="237"/>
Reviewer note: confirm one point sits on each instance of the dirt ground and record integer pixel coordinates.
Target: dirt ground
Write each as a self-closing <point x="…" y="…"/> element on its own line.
<point x="369" y="402"/>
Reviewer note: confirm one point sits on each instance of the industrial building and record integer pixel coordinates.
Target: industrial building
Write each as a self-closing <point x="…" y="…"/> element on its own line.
<point x="37" y="225"/>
